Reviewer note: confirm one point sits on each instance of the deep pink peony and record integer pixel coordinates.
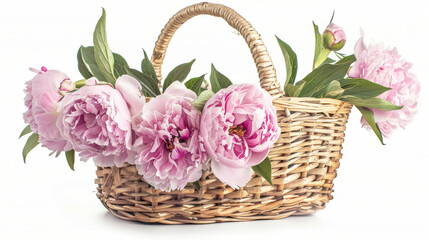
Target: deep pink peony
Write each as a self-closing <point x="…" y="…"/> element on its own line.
<point x="385" y="67"/>
<point x="97" y="121"/>
<point x="169" y="149"/>
<point x="41" y="100"/>
<point x="240" y="126"/>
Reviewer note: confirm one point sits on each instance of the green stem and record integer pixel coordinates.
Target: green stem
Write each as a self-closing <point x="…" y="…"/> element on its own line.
<point x="80" y="83"/>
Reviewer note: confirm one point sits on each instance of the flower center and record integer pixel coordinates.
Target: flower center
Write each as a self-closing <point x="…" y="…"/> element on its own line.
<point x="169" y="145"/>
<point x="237" y="130"/>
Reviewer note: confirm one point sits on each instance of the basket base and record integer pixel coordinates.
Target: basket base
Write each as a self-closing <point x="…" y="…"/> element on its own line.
<point x="168" y="217"/>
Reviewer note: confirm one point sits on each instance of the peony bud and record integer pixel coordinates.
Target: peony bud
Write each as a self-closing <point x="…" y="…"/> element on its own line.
<point x="334" y="37"/>
<point x="67" y="85"/>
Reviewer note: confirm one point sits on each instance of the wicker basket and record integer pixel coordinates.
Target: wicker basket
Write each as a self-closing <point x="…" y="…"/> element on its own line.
<point x="304" y="159"/>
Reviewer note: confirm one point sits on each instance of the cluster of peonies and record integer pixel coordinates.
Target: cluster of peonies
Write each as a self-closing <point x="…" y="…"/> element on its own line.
<point x="169" y="140"/>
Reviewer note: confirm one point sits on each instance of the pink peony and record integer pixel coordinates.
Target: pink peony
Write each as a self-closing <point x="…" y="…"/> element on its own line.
<point x="97" y="121"/>
<point x="385" y="67"/>
<point x="240" y="127"/>
<point x="42" y="97"/>
<point x="169" y="149"/>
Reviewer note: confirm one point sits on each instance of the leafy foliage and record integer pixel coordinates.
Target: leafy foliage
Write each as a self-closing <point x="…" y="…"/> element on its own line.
<point x="31" y="143"/>
<point x="70" y="158"/>
<point x="25" y="131"/>
<point x="147" y="67"/>
<point x="202" y="99"/>
<point x="102" y="54"/>
<point x="264" y="170"/>
<point x="291" y="62"/>
<point x="179" y="73"/>
<point x="149" y="85"/>
<point x="218" y="80"/>
<point x="195" y="84"/>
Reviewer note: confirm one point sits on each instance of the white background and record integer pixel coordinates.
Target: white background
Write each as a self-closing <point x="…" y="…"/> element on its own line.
<point x="380" y="191"/>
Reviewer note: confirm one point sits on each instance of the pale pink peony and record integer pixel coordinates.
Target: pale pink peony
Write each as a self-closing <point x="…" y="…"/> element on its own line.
<point x="42" y="97"/>
<point x="97" y="121"/>
<point x="169" y="149"/>
<point x="240" y="126"/>
<point x="385" y="67"/>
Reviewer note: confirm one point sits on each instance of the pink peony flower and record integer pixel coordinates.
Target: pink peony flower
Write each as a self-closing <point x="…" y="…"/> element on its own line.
<point x="334" y="37"/>
<point x="169" y="149"/>
<point x="41" y="100"/>
<point x="385" y="67"/>
<point x="240" y="127"/>
<point x="96" y="120"/>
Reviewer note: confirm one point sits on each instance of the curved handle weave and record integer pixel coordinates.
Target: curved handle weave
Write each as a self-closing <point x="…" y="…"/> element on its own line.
<point x="264" y="65"/>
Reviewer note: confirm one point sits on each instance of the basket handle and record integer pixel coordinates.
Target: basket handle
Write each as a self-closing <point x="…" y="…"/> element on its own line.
<point x="264" y="64"/>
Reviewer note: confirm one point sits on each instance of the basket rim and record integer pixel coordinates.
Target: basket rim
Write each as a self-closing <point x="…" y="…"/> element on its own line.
<point x="298" y="99"/>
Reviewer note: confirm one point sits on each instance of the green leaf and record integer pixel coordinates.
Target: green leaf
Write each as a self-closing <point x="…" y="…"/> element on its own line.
<point x="196" y="185"/>
<point x="328" y="61"/>
<point x="31" y="143"/>
<point x="147" y="67"/>
<point x="103" y="56"/>
<point x="264" y="170"/>
<point x="218" y="80"/>
<point x="322" y="57"/>
<point x="362" y="88"/>
<point x="293" y="91"/>
<point x="25" y="131"/>
<point x="369" y="117"/>
<point x="195" y="84"/>
<point x="319" y="44"/>
<point x="347" y="59"/>
<point x="291" y="62"/>
<point x="201" y="100"/>
<point x="149" y="85"/>
<point x="86" y="59"/>
<point x="70" y="158"/>
<point x="89" y="59"/>
<point x="320" y="77"/>
<point x="179" y="73"/>
<point x="340" y="55"/>
<point x="120" y="64"/>
<point x="375" y="103"/>
<point x="82" y="66"/>
<point x="333" y="90"/>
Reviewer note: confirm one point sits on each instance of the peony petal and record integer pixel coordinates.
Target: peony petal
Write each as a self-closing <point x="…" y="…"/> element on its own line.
<point x="157" y="104"/>
<point x="179" y="89"/>
<point x="91" y="81"/>
<point x="360" y="45"/>
<point x="130" y="89"/>
<point x="195" y="175"/>
<point x="256" y="158"/>
<point x="234" y="177"/>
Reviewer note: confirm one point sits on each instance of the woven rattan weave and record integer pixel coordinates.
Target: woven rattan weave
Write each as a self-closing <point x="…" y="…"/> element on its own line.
<point x="304" y="159"/>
